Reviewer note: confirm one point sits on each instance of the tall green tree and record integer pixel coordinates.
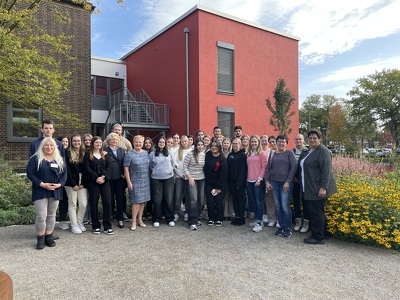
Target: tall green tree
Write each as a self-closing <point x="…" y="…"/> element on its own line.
<point x="281" y="113"/>
<point x="30" y="58"/>
<point x="378" y="95"/>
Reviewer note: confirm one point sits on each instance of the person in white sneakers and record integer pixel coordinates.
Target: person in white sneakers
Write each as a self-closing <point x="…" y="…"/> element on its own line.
<point x="76" y="185"/>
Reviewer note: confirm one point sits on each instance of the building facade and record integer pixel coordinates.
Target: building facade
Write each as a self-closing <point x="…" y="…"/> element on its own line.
<point x="215" y="69"/>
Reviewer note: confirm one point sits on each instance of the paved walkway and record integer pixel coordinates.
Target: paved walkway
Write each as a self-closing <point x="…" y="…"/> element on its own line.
<point x="225" y="262"/>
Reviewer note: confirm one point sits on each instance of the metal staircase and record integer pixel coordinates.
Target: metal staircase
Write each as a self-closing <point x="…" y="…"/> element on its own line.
<point x="136" y="111"/>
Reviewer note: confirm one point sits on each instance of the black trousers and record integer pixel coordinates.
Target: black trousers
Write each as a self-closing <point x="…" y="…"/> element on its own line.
<point x="238" y="198"/>
<point x="95" y="190"/>
<point x="215" y="204"/>
<point x="63" y="207"/>
<point x="318" y="222"/>
<point x="117" y="190"/>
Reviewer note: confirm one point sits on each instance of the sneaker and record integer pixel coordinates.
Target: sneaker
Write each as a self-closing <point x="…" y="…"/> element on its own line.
<point x="252" y="215"/>
<point x="265" y="219"/>
<point x="171" y="224"/>
<point x="277" y="225"/>
<point x="85" y="222"/>
<point x="287" y="233"/>
<point x="193" y="227"/>
<point x="186" y="217"/>
<point x="109" y="232"/>
<point x="75" y="229"/>
<point x="279" y="231"/>
<point x="96" y="231"/>
<point x="210" y="223"/>
<point x="126" y="219"/>
<point x="176" y="217"/>
<point x="257" y="227"/>
<point x="156" y="224"/>
<point x="271" y="223"/>
<point x="252" y="224"/>
<point x="63" y="225"/>
<point x="297" y="224"/>
<point x="199" y="223"/>
<point x="218" y="223"/>
<point x="306" y="226"/>
<point x="82" y="227"/>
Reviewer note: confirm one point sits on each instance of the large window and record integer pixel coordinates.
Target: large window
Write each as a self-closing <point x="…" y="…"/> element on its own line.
<point x="225" y="68"/>
<point x="20" y="127"/>
<point x="226" y="120"/>
<point x="102" y="87"/>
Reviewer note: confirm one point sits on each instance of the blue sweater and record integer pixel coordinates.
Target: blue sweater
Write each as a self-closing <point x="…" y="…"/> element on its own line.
<point x="45" y="173"/>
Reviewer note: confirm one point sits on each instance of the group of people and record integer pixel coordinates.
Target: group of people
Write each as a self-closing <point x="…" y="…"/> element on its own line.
<point x="201" y="176"/>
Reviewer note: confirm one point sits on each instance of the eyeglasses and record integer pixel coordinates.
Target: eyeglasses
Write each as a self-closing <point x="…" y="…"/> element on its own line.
<point x="281" y="142"/>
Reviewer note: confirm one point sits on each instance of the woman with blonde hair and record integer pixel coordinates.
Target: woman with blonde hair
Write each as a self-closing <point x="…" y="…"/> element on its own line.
<point x="76" y="185"/>
<point x="47" y="171"/>
<point x="245" y="139"/>
<point x="229" y="212"/>
<point x="117" y="179"/>
<point x="137" y="176"/>
<point x="180" y="188"/>
<point x="256" y="166"/>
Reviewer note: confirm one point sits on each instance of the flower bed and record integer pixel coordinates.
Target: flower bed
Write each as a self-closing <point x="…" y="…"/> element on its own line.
<point x="366" y="208"/>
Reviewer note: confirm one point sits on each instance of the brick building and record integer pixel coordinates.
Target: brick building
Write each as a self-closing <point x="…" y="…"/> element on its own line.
<point x="13" y="146"/>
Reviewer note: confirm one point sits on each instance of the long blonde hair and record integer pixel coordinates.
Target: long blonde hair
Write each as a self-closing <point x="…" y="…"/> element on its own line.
<point x="56" y="153"/>
<point x="258" y="149"/>
<point x="180" y="150"/>
<point x="77" y="156"/>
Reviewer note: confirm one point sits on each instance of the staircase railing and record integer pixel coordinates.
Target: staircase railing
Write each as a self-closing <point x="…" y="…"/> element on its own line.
<point x="135" y="108"/>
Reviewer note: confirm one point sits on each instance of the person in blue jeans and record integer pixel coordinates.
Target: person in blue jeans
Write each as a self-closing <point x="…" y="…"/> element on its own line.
<point x="281" y="169"/>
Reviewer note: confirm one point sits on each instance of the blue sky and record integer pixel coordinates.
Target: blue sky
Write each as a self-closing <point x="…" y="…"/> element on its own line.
<point x="340" y="41"/>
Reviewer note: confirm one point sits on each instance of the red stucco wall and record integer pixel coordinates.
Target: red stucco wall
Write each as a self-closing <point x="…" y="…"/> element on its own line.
<point x="261" y="58"/>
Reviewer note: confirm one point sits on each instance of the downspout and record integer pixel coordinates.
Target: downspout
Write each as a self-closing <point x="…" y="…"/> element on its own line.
<point x="186" y="31"/>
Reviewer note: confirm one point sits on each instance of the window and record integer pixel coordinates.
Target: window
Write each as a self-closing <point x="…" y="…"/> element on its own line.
<point x="19" y="127"/>
<point x="102" y="87"/>
<point x="226" y="120"/>
<point x="225" y="68"/>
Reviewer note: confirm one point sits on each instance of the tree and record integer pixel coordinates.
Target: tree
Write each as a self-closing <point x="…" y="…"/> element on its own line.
<point x="284" y="99"/>
<point x="30" y="59"/>
<point x="378" y="95"/>
<point x="338" y="132"/>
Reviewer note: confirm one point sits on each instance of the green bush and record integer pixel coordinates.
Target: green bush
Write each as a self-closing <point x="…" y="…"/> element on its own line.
<point x="15" y="190"/>
<point x="18" y="216"/>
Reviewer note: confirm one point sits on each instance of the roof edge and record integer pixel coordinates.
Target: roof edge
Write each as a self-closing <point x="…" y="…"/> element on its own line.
<point x="214" y="12"/>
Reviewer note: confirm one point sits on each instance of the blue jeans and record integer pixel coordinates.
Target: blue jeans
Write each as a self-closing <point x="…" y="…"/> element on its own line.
<point x="282" y="203"/>
<point x="255" y="194"/>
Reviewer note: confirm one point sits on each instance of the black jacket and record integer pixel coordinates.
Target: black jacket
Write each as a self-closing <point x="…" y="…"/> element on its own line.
<point x="73" y="170"/>
<point x="117" y="168"/>
<point x="237" y="167"/>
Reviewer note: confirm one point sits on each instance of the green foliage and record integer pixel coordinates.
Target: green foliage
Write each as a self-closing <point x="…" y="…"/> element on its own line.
<point x="18" y="216"/>
<point x="281" y="114"/>
<point x="15" y="190"/>
<point x="378" y="96"/>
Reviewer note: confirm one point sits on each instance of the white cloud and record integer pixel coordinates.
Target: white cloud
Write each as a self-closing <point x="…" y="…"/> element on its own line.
<point x="355" y="72"/>
<point x="326" y="28"/>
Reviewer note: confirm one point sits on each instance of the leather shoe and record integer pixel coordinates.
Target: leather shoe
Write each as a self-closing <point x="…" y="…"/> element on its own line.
<point x="121" y="224"/>
<point x="311" y="240"/>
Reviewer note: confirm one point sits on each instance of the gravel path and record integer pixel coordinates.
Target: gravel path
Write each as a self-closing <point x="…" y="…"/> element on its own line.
<point x="225" y="262"/>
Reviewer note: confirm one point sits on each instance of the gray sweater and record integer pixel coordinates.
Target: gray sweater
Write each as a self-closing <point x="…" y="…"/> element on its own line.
<point x="161" y="166"/>
<point x="282" y="167"/>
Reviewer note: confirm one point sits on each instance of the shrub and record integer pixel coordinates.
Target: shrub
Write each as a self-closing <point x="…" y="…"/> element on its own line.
<point x="15" y="190"/>
<point x="366" y="208"/>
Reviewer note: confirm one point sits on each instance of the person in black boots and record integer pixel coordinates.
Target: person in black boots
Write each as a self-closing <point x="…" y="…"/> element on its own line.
<point x="47" y="172"/>
<point x="237" y="166"/>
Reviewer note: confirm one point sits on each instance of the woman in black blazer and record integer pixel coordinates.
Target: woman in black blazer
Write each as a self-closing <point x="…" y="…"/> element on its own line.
<point x="117" y="179"/>
<point x="97" y="169"/>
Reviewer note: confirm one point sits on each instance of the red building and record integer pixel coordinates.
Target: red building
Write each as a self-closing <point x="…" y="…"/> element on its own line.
<point x="223" y="66"/>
